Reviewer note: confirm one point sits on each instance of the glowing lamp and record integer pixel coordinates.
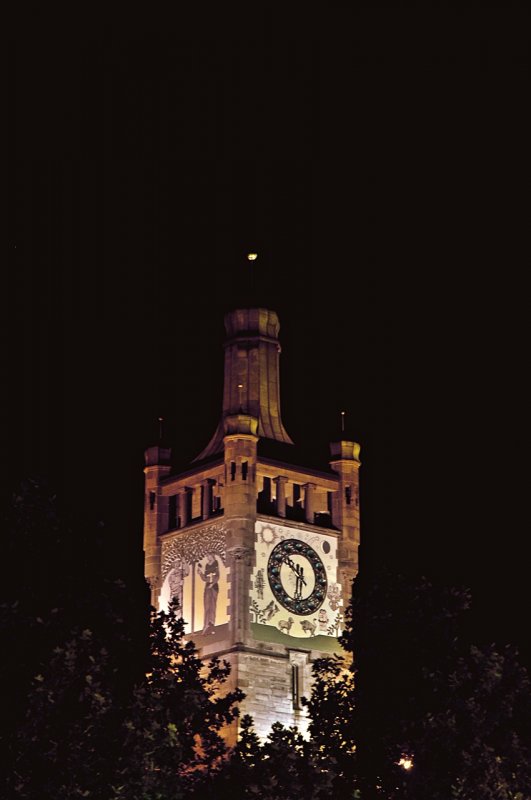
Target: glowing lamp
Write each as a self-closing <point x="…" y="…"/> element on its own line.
<point x="252" y="256"/>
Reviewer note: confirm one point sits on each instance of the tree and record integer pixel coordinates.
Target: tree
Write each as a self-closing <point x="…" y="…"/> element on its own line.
<point x="58" y="583"/>
<point x="417" y="692"/>
<point x="104" y="704"/>
<point x="331" y="710"/>
<point x="483" y="734"/>
<point x="284" y="767"/>
<point x="81" y="739"/>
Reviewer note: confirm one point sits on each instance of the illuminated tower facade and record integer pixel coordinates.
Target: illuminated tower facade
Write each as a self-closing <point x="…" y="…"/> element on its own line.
<point x="259" y="549"/>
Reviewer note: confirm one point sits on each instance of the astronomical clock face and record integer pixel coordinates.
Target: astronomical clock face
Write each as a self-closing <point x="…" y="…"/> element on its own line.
<point x="297" y="577"/>
<point x="294" y="584"/>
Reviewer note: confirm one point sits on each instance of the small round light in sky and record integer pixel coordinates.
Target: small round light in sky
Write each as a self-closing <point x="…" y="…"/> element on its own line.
<point x="252" y="256"/>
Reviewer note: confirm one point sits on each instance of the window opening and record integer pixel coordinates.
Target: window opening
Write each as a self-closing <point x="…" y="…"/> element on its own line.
<point x="295" y="690"/>
<point x="172" y="511"/>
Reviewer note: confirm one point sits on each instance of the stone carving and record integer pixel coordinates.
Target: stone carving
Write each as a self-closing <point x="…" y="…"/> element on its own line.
<point x="240" y="553"/>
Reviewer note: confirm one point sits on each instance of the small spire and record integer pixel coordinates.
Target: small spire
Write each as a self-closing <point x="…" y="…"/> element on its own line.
<point x="343" y="421"/>
<point x="252" y="286"/>
<point x="161" y="421"/>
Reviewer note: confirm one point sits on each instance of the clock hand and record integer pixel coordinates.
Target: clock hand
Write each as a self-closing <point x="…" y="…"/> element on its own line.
<point x="293" y="567"/>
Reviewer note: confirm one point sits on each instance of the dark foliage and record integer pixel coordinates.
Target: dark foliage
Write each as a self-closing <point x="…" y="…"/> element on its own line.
<point x="416" y="689"/>
<point x="58" y="581"/>
<point x="81" y="738"/>
<point x="101" y="703"/>
<point x="285" y="767"/>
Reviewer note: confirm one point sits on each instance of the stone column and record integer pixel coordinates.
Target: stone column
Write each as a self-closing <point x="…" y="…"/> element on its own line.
<point x="183" y="503"/>
<point x="280" y="483"/>
<point x="157" y="467"/>
<point x="309" y="489"/>
<point x="239" y="518"/>
<point x="345" y="461"/>
<point x="240" y="561"/>
<point x="179" y="513"/>
<point x="206" y="498"/>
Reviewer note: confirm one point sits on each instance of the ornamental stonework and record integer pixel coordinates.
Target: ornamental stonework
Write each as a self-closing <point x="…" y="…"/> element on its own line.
<point x="193" y="546"/>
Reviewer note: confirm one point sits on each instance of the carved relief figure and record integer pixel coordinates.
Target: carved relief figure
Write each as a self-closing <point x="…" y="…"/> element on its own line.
<point x="259" y="583"/>
<point x="176" y="577"/>
<point x="210" y="575"/>
<point x="334" y="595"/>
<point x="308" y="626"/>
<point x="270" y="610"/>
<point x="322" y="618"/>
<point x="285" y="625"/>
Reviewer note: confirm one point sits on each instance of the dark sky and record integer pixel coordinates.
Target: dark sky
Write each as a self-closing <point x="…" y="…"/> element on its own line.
<point x="377" y="164"/>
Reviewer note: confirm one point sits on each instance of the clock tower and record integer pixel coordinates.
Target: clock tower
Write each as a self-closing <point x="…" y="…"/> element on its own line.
<point x="259" y="549"/>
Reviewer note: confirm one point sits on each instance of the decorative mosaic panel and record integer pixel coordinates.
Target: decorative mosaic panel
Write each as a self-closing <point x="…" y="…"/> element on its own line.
<point x="194" y="571"/>
<point x="294" y="583"/>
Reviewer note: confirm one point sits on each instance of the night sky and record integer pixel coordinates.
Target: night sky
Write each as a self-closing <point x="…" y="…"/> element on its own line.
<point x="376" y="163"/>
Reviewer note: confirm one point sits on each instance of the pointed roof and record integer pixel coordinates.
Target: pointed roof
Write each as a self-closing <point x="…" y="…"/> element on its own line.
<point x="251" y="378"/>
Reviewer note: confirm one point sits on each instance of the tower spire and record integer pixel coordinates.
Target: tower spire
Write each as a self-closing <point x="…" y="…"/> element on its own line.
<point x="251" y="380"/>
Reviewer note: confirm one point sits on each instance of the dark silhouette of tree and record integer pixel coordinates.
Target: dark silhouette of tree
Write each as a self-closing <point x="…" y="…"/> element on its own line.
<point x="418" y="695"/>
<point x="81" y="739"/>
<point x="331" y="709"/>
<point x="284" y="766"/>
<point x="58" y="581"/>
<point x="100" y="702"/>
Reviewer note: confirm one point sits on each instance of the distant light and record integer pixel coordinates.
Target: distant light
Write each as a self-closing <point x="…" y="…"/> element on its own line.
<point x="405" y="762"/>
<point x="252" y="256"/>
